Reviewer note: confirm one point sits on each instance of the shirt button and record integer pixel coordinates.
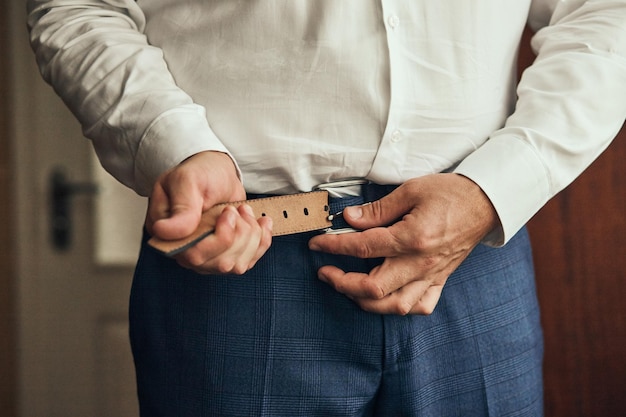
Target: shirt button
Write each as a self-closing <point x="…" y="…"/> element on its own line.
<point x="396" y="136"/>
<point x="393" y="21"/>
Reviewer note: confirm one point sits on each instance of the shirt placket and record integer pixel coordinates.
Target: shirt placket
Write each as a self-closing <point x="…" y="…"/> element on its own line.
<point x="387" y="163"/>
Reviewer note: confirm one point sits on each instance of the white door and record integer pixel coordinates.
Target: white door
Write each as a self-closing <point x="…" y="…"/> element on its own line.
<point x="74" y="354"/>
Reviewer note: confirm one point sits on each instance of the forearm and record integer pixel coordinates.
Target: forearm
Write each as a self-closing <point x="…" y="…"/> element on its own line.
<point x="98" y="60"/>
<point x="572" y="102"/>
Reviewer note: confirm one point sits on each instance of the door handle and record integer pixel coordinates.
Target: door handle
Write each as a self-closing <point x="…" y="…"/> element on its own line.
<point x="62" y="191"/>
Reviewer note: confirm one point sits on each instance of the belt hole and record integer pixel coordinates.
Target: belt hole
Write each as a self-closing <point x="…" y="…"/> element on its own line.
<point x="326" y="208"/>
<point x="263" y="214"/>
<point x="306" y="211"/>
<point x="285" y="214"/>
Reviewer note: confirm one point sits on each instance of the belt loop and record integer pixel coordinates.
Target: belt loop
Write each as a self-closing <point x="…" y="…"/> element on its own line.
<point x="343" y="188"/>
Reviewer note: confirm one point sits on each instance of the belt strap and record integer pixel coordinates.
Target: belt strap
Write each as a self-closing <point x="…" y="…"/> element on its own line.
<point x="294" y="213"/>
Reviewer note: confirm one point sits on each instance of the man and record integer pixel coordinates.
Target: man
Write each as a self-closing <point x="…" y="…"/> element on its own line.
<point x="430" y="306"/>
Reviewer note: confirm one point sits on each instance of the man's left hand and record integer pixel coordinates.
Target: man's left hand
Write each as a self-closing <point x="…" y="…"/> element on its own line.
<point x="424" y="230"/>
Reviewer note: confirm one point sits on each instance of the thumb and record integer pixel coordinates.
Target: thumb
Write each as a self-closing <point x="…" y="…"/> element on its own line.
<point x="174" y="215"/>
<point x="181" y="195"/>
<point x="378" y="213"/>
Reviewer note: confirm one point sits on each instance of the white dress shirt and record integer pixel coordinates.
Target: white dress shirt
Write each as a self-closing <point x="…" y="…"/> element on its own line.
<point x="301" y="92"/>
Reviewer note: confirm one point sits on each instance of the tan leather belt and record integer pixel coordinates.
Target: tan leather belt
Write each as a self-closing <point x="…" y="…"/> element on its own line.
<point x="294" y="213"/>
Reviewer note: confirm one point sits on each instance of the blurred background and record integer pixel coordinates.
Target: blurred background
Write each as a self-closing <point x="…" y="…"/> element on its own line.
<point x="68" y="240"/>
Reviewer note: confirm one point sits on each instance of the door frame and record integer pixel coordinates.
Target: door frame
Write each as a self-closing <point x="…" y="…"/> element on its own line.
<point x="8" y="379"/>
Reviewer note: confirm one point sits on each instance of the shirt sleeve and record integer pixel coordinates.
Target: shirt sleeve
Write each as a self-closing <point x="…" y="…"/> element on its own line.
<point x="571" y="104"/>
<point x="97" y="59"/>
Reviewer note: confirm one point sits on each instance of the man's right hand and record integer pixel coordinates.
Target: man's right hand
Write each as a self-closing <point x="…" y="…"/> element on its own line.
<point x="182" y="194"/>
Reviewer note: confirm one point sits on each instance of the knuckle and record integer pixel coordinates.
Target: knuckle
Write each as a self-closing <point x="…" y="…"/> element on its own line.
<point x="251" y="264"/>
<point x="368" y="308"/>
<point x="225" y="240"/>
<point x="421" y="243"/>
<point x="194" y="258"/>
<point x="225" y="266"/>
<point x="373" y="289"/>
<point x="338" y="286"/>
<point x="266" y="241"/>
<point x="362" y="251"/>
<point x="239" y="269"/>
<point x="427" y="310"/>
<point x="377" y="210"/>
<point x="246" y="226"/>
<point x="402" y="308"/>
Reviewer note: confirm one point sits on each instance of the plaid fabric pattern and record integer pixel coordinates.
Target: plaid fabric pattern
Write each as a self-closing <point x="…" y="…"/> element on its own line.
<point x="278" y="342"/>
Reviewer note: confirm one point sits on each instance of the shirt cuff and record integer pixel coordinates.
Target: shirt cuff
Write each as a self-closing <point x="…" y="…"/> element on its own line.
<point x="173" y="137"/>
<point x="513" y="177"/>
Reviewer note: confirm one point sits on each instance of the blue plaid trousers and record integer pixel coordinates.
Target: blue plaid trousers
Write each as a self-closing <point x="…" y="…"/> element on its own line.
<point x="279" y="342"/>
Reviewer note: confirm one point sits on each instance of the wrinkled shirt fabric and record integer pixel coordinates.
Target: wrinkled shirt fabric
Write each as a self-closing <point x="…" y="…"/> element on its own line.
<point x="302" y="92"/>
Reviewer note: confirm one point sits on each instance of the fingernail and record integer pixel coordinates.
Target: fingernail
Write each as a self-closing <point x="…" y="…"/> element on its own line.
<point x="322" y="277"/>
<point x="313" y="246"/>
<point x="231" y="218"/>
<point x="248" y="209"/>
<point x="354" y="212"/>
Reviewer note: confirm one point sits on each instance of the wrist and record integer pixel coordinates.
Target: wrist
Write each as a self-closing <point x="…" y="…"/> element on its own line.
<point x="481" y="207"/>
<point x="220" y="166"/>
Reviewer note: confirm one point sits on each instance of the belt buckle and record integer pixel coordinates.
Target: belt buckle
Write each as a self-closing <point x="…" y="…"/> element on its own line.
<point x="347" y="182"/>
<point x="344" y="183"/>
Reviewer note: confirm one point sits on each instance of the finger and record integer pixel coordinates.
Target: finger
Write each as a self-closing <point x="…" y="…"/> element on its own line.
<point x="175" y="210"/>
<point x="381" y="212"/>
<point x="347" y="283"/>
<point x="430" y="300"/>
<point x="249" y="236"/>
<point x="372" y="243"/>
<point x="266" y="224"/>
<point x="235" y="246"/>
<point x="200" y="255"/>
<point x="158" y="207"/>
<point x="392" y="275"/>
<point x="360" y="285"/>
<point x="368" y="293"/>
<point x="180" y="224"/>
<point x="415" y="298"/>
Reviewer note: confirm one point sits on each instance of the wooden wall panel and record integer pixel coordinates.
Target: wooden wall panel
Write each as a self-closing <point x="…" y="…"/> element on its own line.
<point x="579" y="245"/>
<point x="579" y="242"/>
